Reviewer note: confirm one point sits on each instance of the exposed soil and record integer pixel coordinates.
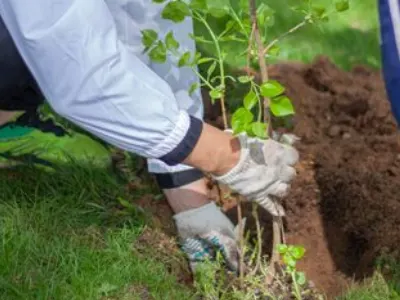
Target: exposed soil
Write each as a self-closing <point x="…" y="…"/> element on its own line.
<point x="344" y="206"/>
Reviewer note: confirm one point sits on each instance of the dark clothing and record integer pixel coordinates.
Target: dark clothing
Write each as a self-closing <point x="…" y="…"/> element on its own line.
<point x="18" y="89"/>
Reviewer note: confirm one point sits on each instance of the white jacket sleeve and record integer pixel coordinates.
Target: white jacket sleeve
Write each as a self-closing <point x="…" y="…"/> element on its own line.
<point x="89" y="77"/>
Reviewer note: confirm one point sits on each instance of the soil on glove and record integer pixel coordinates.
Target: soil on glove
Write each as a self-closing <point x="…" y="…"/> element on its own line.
<point x="344" y="205"/>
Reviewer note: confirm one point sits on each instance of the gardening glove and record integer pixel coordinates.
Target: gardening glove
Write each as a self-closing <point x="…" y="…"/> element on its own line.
<point x="263" y="173"/>
<point x="204" y="231"/>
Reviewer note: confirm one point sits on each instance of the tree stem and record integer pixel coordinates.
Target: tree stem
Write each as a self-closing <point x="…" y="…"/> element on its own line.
<point x="267" y="119"/>
<point x="261" y="60"/>
<point x="241" y="242"/>
<point x="221" y="66"/>
<point x="259" y="239"/>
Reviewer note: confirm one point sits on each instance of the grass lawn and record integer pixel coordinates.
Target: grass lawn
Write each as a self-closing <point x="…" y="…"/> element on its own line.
<point x="61" y="236"/>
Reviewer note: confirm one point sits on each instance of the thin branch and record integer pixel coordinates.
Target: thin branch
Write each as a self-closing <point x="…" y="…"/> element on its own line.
<point x="249" y="48"/>
<point x="261" y="59"/>
<point x="221" y="65"/>
<point x="241" y="242"/>
<point x="276" y="240"/>
<point x="205" y="81"/>
<point x="223" y="110"/>
<point x="259" y="240"/>
<point x="259" y="43"/>
<point x="283" y="236"/>
<point x="293" y="29"/>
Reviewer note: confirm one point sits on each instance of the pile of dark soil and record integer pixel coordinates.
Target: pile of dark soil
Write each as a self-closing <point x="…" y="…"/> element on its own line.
<point x="344" y="206"/>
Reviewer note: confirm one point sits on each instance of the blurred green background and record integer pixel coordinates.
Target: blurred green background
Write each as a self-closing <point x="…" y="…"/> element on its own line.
<point x="348" y="38"/>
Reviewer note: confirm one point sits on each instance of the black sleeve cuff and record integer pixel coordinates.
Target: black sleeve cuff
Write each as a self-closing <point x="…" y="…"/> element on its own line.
<point x="186" y="146"/>
<point x="178" y="179"/>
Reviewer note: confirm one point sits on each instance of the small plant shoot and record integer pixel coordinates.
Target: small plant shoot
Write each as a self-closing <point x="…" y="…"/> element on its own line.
<point x="290" y="256"/>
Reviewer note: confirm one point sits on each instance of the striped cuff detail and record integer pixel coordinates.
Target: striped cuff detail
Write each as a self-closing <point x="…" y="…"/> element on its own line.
<point x="178" y="179"/>
<point x="185" y="147"/>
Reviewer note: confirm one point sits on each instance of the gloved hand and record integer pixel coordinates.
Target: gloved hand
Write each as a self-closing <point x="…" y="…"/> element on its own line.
<point x="264" y="171"/>
<point x="205" y="230"/>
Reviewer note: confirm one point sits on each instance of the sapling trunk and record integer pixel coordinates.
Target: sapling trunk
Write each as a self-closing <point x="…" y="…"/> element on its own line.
<point x="261" y="59"/>
<point x="241" y="242"/>
<point x="259" y="239"/>
<point x="267" y="119"/>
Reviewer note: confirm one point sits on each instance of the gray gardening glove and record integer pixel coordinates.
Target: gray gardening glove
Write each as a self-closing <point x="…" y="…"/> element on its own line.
<point x="263" y="173"/>
<point x="204" y="231"/>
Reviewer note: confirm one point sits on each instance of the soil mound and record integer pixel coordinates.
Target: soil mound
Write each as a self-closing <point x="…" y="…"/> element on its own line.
<point x="344" y="206"/>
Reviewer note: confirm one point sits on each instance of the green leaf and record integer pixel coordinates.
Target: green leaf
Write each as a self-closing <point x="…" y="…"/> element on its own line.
<point x="229" y="25"/>
<point x="171" y="42"/>
<point x="265" y="16"/>
<point x="230" y="78"/>
<point x="319" y="11"/>
<point x="297" y="252"/>
<point x="260" y="129"/>
<point x="247" y="24"/>
<point x="244" y="4"/>
<point x="204" y="60"/>
<point x="159" y="53"/>
<point x="300" y="278"/>
<point x="325" y="18"/>
<point x="149" y="37"/>
<point x="271" y="88"/>
<point x="125" y="203"/>
<point x="193" y="88"/>
<point x="242" y="127"/>
<point x="218" y="9"/>
<point x="281" y="106"/>
<point x="250" y="100"/>
<point x="176" y="11"/>
<point x="211" y="69"/>
<point x="184" y="60"/>
<point x="342" y="5"/>
<point x="198" y="4"/>
<point x="232" y="38"/>
<point x="245" y="79"/>
<point x="289" y="260"/>
<point x="196" y="58"/>
<point x="274" y="51"/>
<point x="282" y="248"/>
<point x="200" y="39"/>
<point x="216" y="94"/>
<point x="159" y="1"/>
<point x="241" y="119"/>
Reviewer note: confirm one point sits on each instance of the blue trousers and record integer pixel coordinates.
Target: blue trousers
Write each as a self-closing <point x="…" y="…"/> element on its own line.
<point x="389" y="18"/>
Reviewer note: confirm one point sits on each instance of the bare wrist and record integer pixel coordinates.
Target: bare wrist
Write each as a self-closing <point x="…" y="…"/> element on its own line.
<point x="216" y="151"/>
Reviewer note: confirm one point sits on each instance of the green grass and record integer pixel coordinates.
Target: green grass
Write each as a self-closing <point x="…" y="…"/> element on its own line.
<point x="375" y="288"/>
<point x="62" y="238"/>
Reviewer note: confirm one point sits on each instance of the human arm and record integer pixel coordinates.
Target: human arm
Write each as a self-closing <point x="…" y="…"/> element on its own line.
<point x="89" y="77"/>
